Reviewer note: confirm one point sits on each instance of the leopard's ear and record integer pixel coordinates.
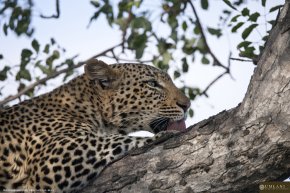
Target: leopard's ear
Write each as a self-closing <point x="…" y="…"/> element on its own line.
<point x="101" y="72"/>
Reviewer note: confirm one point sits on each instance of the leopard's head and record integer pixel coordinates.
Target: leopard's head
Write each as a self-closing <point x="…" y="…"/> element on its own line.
<point x="137" y="97"/>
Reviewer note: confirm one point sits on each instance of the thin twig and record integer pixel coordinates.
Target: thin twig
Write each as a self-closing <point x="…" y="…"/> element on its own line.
<point x="204" y="92"/>
<point x="241" y="60"/>
<point x="55" y="16"/>
<point x="51" y="76"/>
<point x="229" y="60"/>
<point x="216" y="61"/>
<point x="114" y="56"/>
<point x="106" y="51"/>
<point x="62" y="64"/>
<point x="229" y="65"/>
<point x="124" y="30"/>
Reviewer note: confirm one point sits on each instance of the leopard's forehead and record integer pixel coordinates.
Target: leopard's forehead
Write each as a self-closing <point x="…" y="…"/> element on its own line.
<point x="142" y="71"/>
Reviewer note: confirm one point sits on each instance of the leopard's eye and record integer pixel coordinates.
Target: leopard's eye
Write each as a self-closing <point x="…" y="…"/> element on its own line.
<point x="105" y="83"/>
<point x="153" y="83"/>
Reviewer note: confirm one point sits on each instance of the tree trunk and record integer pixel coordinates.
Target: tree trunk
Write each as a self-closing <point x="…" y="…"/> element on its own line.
<point x="231" y="152"/>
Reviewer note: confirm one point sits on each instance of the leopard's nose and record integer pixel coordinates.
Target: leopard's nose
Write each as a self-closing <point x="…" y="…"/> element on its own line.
<point x="185" y="106"/>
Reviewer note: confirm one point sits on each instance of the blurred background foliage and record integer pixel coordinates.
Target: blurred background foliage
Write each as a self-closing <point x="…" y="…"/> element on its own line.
<point x="139" y="26"/>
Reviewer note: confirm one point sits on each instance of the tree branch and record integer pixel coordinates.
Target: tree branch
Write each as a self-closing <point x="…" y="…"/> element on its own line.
<point x="53" y="75"/>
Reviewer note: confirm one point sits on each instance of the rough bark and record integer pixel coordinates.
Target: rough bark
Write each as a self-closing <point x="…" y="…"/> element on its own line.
<point x="230" y="152"/>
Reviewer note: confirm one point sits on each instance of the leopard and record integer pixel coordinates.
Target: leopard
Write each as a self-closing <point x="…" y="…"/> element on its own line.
<point x="62" y="140"/>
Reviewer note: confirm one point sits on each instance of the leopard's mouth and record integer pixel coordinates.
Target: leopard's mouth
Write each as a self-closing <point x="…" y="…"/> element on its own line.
<point x="177" y="125"/>
<point x="165" y="124"/>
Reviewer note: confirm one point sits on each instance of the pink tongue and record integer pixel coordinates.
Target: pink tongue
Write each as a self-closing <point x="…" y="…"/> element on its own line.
<point x="177" y="125"/>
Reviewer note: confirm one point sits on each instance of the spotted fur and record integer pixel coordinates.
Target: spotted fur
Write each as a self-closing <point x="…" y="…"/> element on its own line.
<point x="63" y="139"/>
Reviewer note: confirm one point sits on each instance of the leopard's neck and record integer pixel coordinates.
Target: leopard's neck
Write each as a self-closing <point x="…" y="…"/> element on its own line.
<point x="79" y="100"/>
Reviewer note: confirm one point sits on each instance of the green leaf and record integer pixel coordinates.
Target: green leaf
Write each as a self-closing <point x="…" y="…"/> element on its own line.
<point x="253" y="17"/>
<point x="70" y="63"/>
<point x="96" y="4"/>
<point x="229" y="4"/>
<point x="46" y="49"/>
<point x="244" y="44"/>
<point x="68" y="74"/>
<point x="176" y="74"/>
<point x="275" y="8"/>
<point x="163" y="46"/>
<point x="248" y="53"/>
<point x="23" y="74"/>
<point x="11" y="24"/>
<point x="261" y="48"/>
<point x="188" y="47"/>
<point x="196" y="30"/>
<point x="248" y="30"/>
<point x="204" y="60"/>
<point x="137" y="3"/>
<point x="22" y="26"/>
<point x="26" y="75"/>
<point x="35" y="45"/>
<point x="26" y="53"/>
<point x="141" y="22"/>
<point x="43" y="68"/>
<point x="245" y="12"/>
<point x="272" y="22"/>
<point x="137" y="42"/>
<point x="236" y="27"/>
<point x="265" y="38"/>
<point x="190" y="112"/>
<point x="140" y="51"/>
<point x="95" y="16"/>
<point x="184" y="65"/>
<point x="122" y="22"/>
<point x="161" y="65"/>
<point x="201" y="46"/>
<point x="166" y="57"/>
<point x="214" y="31"/>
<point x="3" y="73"/>
<point x="184" y="25"/>
<point x="52" y="41"/>
<point x="174" y="36"/>
<point x="191" y="93"/>
<point x="172" y="21"/>
<point x="227" y="12"/>
<point x="5" y="28"/>
<point x="263" y="3"/>
<point x="56" y="54"/>
<point x="235" y="18"/>
<point x="190" y="42"/>
<point x="204" y="4"/>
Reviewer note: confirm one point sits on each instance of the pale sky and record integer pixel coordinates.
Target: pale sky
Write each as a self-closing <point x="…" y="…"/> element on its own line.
<point x="71" y="32"/>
